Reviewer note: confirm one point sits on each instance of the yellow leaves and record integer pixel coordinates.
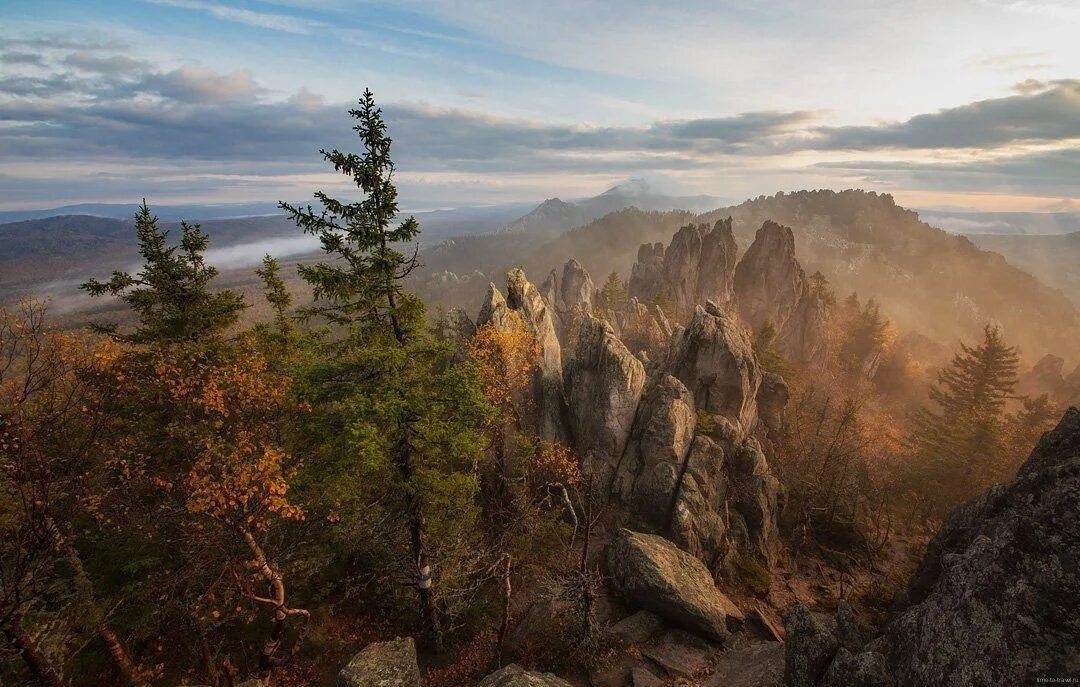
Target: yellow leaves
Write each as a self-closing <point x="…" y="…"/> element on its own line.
<point x="556" y="463"/>
<point x="506" y="358"/>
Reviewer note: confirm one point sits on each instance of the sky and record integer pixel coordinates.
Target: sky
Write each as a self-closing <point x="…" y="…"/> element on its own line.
<point x="945" y="104"/>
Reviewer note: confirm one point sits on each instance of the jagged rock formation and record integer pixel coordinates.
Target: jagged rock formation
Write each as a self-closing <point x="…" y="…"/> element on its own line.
<point x="663" y="430"/>
<point x="995" y="601"/>
<point x="547" y="392"/>
<point x="383" y="664"/>
<point x="1047" y="377"/>
<point x="772" y="290"/>
<point x="642" y="328"/>
<point x="714" y="358"/>
<point x="571" y="298"/>
<point x="772" y="398"/>
<point x="603" y="385"/>
<point x="696" y="266"/>
<point x="636" y="426"/>
<point x="514" y="675"/>
<point x="707" y="488"/>
<point x="652" y="574"/>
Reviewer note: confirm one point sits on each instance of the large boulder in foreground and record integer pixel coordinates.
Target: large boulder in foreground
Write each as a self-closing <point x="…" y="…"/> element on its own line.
<point x="383" y="664"/>
<point x="996" y="600"/>
<point x="514" y="675"/>
<point x="653" y="574"/>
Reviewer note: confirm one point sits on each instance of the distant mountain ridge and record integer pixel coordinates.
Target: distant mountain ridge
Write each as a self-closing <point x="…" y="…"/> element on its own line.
<point x="927" y="280"/>
<point x="555" y="215"/>
<point x="1055" y="259"/>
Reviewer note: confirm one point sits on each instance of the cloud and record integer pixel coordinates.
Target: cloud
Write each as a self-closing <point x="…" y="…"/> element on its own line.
<point x="262" y="20"/>
<point x="1039" y="112"/>
<point x="192" y="84"/>
<point x="105" y="64"/>
<point x="1046" y="173"/>
<point x="27" y="58"/>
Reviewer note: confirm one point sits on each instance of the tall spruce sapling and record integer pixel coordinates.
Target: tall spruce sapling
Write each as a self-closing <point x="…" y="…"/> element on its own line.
<point x="388" y="379"/>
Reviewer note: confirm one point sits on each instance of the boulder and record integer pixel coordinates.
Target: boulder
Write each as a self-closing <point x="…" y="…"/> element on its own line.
<point x="995" y="600"/>
<point x="809" y="648"/>
<point x="714" y="358"/>
<point x="759" y="664"/>
<point x="604" y="382"/>
<point x="514" y="675"/>
<point x="383" y="664"/>
<point x="653" y="574"/>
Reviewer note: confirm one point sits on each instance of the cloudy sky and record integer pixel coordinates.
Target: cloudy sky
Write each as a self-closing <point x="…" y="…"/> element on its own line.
<point x="944" y="103"/>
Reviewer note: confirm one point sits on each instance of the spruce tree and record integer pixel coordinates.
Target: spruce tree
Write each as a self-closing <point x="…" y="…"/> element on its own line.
<point x="959" y="444"/>
<point x="394" y="405"/>
<point x="171" y="292"/>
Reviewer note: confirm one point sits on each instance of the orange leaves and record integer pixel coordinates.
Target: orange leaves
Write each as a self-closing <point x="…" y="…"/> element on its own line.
<point x="246" y="486"/>
<point x="506" y="359"/>
<point x="556" y="463"/>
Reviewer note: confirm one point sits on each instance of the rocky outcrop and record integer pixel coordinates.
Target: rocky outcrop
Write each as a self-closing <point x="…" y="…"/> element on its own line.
<point x="803" y="337"/>
<point x="1048" y="377"/>
<point x="663" y="430"/>
<point x="383" y="664"/>
<point x="772" y="398"/>
<point x="571" y="298"/>
<point x="714" y="358"/>
<point x="698" y="265"/>
<point x="772" y="291"/>
<point x="769" y="282"/>
<point x="996" y="599"/>
<point x="549" y="412"/>
<point x="642" y="328"/>
<point x="652" y="574"/>
<point x="514" y="675"/>
<point x="603" y="385"/>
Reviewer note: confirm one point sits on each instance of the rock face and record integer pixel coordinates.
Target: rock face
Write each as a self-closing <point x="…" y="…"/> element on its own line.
<point x="514" y="675"/>
<point x="571" y="298"/>
<point x="383" y="664"/>
<point x="697" y="266"/>
<point x="772" y="290"/>
<point x="663" y="430"/>
<point x="653" y="574"/>
<point x="643" y="328"/>
<point x="714" y="358"/>
<point x="549" y="417"/>
<point x="772" y="398"/>
<point x="996" y="600"/>
<point x="603" y="384"/>
<point x="769" y="282"/>
<point x="1048" y="376"/>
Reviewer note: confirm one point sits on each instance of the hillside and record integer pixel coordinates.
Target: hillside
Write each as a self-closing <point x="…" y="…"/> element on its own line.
<point x="1055" y="258"/>
<point x="927" y="280"/>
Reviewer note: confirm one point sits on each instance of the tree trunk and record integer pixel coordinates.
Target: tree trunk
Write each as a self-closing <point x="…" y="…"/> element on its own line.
<point x="127" y="668"/>
<point x="424" y="583"/>
<point x="36" y="661"/>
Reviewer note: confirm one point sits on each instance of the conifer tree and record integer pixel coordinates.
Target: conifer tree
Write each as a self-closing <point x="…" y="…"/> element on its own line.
<point x="613" y="294"/>
<point x="390" y="381"/>
<point x="959" y="444"/>
<point x="171" y="293"/>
